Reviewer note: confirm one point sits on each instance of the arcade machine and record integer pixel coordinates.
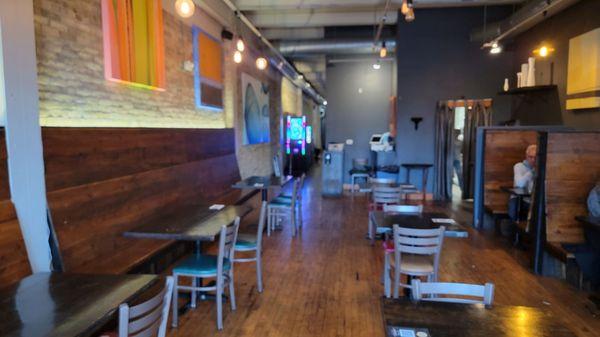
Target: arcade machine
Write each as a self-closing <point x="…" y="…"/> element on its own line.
<point x="298" y="142"/>
<point x="333" y="170"/>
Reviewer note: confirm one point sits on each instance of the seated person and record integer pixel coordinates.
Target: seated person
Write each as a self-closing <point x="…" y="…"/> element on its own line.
<point x="524" y="173"/>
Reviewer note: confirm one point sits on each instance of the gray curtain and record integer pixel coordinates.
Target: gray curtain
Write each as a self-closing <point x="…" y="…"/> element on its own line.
<point x="444" y="152"/>
<point x="476" y="116"/>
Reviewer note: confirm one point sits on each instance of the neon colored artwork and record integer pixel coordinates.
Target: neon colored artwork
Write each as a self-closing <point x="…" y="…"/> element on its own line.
<point x="208" y="70"/>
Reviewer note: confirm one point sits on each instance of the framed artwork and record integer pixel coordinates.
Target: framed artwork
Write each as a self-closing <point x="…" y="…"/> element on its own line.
<point x="208" y="70"/>
<point x="255" y="108"/>
<point x="583" y="78"/>
<point x="134" y="42"/>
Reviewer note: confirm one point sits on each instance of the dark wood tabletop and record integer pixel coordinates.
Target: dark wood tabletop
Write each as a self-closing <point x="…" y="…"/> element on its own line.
<point x="66" y="305"/>
<point x="464" y="320"/>
<point x="417" y="220"/>
<point x="417" y="165"/>
<point x="518" y="191"/>
<point x="262" y="182"/>
<point x="193" y="223"/>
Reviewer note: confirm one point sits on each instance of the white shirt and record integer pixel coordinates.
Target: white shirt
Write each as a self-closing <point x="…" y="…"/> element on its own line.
<point x="523" y="175"/>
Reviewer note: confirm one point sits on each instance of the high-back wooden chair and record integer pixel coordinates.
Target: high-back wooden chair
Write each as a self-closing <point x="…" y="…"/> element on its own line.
<point x="460" y="292"/>
<point x="201" y="266"/>
<point x="147" y="319"/>
<point x="253" y="243"/>
<point x="416" y="254"/>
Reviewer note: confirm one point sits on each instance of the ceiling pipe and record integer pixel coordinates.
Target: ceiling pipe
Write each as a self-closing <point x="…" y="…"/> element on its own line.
<point x="528" y="16"/>
<point x="278" y="60"/>
<point x="332" y="46"/>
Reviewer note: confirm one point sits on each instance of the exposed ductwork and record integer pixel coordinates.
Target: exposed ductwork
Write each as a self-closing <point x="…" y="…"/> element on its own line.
<point x="528" y="16"/>
<point x="332" y="47"/>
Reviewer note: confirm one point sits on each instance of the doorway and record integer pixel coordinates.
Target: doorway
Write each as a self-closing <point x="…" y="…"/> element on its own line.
<point x="459" y="136"/>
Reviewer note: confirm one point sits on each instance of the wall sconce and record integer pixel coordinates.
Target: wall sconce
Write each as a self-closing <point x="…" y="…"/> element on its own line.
<point x="416" y="121"/>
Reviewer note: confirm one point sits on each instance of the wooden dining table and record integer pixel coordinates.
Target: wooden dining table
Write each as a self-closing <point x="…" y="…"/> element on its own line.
<point x="438" y="319"/>
<point x="263" y="183"/>
<point x="66" y="305"/>
<point x="423" y="220"/>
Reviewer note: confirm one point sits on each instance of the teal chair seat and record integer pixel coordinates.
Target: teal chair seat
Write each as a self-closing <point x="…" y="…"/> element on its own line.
<point x="246" y="242"/>
<point x="201" y="265"/>
<point x="383" y="230"/>
<point x="281" y="202"/>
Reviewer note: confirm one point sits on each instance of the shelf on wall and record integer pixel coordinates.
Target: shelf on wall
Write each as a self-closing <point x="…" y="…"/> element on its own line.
<point x="527" y="90"/>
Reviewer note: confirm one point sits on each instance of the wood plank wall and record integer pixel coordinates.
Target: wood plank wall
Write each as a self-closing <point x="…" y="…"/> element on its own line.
<point x="572" y="170"/>
<point x="503" y="149"/>
<point x="104" y="181"/>
<point x="14" y="263"/>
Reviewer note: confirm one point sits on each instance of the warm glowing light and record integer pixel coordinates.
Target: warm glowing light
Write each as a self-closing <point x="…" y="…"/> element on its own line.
<point x="324" y="102"/>
<point x="410" y="15"/>
<point x="543" y="51"/>
<point x="185" y="8"/>
<point x="261" y="63"/>
<point x="240" y="45"/>
<point x="237" y="57"/>
<point x="377" y="66"/>
<point x="404" y="9"/>
<point x="496" y="48"/>
<point x="383" y="51"/>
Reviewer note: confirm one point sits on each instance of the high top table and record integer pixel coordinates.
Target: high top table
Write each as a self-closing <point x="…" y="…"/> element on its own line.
<point x="436" y="319"/>
<point x="262" y="183"/>
<point x="66" y="305"/>
<point x="424" y="168"/>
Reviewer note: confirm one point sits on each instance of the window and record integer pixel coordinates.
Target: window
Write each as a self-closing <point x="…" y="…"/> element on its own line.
<point x="134" y="42"/>
<point x="208" y="70"/>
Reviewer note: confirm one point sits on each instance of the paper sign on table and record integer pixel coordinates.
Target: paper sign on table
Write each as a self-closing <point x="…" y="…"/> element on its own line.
<point x="259" y="185"/>
<point x="216" y="207"/>
<point x="443" y="220"/>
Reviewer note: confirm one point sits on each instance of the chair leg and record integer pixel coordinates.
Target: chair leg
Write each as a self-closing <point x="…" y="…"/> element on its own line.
<point x="175" y="302"/>
<point x="386" y="275"/>
<point x="231" y="290"/>
<point x="194" y="293"/>
<point x="371" y="234"/>
<point x="396" y="282"/>
<point x="259" y="282"/>
<point x="293" y="221"/>
<point x="219" y="304"/>
<point x="269" y="221"/>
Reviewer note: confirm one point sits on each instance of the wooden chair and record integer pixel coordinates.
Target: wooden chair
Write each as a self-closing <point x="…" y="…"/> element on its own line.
<point x="284" y="208"/>
<point x="288" y="198"/>
<point x="250" y="243"/>
<point x="201" y="266"/>
<point x="416" y="254"/>
<point x="384" y="195"/>
<point x="148" y="318"/>
<point x="430" y="291"/>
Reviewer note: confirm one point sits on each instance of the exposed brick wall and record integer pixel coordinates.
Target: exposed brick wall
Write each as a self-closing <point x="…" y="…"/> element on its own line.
<point x="73" y="91"/>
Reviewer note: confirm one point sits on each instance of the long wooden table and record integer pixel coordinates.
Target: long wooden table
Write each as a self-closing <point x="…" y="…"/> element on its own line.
<point x="463" y="320"/>
<point x="262" y="183"/>
<point x="417" y="220"/>
<point x="66" y="305"/>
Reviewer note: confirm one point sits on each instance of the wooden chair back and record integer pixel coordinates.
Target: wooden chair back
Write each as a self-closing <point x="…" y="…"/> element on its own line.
<point x="147" y="319"/>
<point x="382" y="181"/>
<point x="386" y="195"/>
<point x="453" y="292"/>
<point x="403" y="208"/>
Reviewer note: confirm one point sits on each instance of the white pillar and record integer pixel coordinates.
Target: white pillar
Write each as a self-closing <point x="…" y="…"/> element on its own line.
<point x="20" y="113"/>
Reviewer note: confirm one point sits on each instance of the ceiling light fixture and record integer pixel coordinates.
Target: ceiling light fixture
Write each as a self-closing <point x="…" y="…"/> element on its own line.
<point x="496" y="48"/>
<point x="237" y="57"/>
<point x="261" y="63"/>
<point x="404" y="8"/>
<point x="324" y="102"/>
<point x="185" y="8"/>
<point x="410" y="15"/>
<point x="377" y="65"/>
<point x="544" y="51"/>
<point x="383" y="50"/>
<point x="240" y="45"/>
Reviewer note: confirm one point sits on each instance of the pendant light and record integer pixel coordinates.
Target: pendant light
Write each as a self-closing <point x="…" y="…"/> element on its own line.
<point x="404" y="8"/>
<point x="185" y="8"/>
<point x="410" y="16"/>
<point x="240" y="45"/>
<point x="377" y="65"/>
<point x="237" y="57"/>
<point x="383" y="50"/>
<point x="261" y="63"/>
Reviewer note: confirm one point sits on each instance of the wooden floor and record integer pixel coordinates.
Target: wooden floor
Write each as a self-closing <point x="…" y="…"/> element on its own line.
<point x="327" y="281"/>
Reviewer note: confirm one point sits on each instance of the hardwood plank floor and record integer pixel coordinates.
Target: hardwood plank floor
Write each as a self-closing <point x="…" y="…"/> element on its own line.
<point x="326" y="282"/>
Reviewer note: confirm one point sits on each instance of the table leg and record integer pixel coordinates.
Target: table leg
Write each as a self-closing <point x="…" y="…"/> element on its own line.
<point x="424" y="188"/>
<point x="265" y="194"/>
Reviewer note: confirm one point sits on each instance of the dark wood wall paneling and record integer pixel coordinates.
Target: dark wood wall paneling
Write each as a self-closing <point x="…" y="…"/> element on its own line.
<point x="503" y="149"/>
<point x="14" y="263"/>
<point x="104" y="181"/>
<point x="572" y="170"/>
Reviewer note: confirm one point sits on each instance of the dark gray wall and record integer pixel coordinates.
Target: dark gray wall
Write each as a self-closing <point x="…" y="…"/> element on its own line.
<point x="556" y="31"/>
<point x="436" y="61"/>
<point x="351" y="115"/>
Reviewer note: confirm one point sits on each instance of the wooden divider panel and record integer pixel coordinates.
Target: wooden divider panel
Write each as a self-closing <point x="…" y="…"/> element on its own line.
<point x="503" y="149"/>
<point x="572" y="170"/>
<point x="14" y="263"/>
<point x="104" y="181"/>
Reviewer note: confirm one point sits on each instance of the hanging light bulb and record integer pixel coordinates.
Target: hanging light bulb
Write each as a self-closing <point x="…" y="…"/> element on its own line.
<point x="237" y="57"/>
<point x="377" y="65"/>
<point x="261" y="63"/>
<point x="383" y="50"/>
<point x="496" y="48"/>
<point x="185" y="8"/>
<point x="404" y="8"/>
<point x="410" y="15"/>
<point x="240" y="45"/>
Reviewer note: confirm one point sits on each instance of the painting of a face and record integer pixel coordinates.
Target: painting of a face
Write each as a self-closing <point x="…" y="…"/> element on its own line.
<point x="256" y="111"/>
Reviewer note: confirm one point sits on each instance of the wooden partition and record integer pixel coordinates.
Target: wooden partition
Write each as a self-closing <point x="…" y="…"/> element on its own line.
<point x="14" y="264"/>
<point x="503" y="149"/>
<point x="104" y="181"/>
<point x="572" y="170"/>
